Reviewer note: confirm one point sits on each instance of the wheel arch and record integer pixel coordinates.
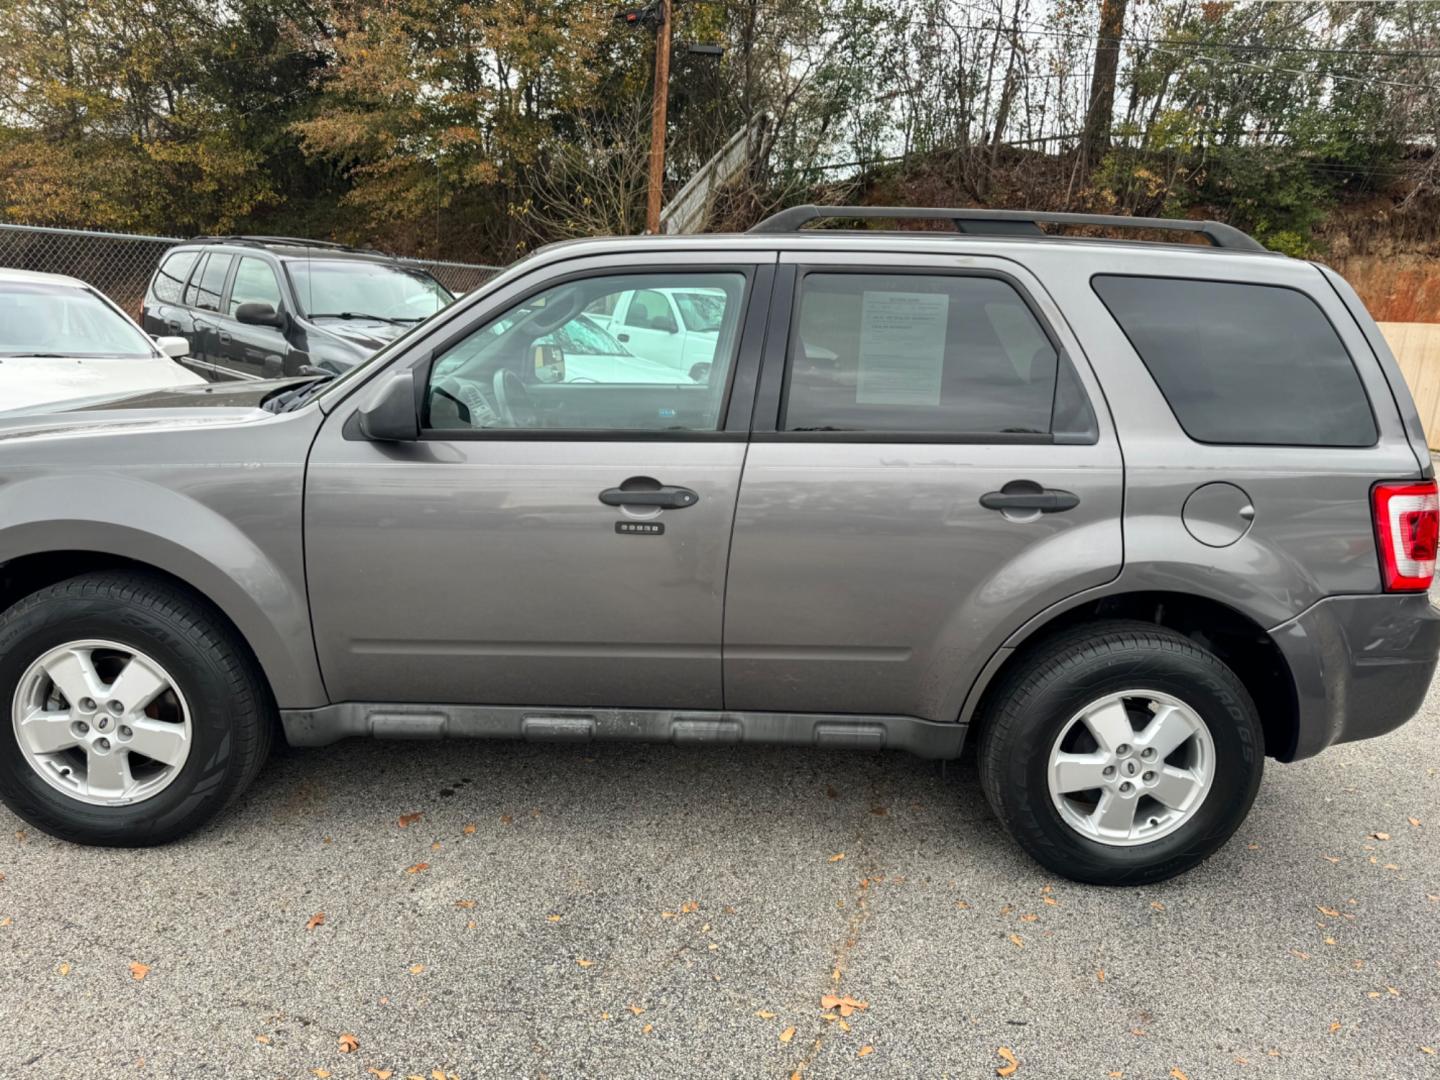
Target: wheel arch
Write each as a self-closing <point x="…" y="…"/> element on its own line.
<point x="1236" y="638"/>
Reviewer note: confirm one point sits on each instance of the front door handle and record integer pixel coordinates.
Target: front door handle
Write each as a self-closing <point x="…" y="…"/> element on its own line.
<point x="667" y="498"/>
<point x="224" y="337"/>
<point x="1026" y="495"/>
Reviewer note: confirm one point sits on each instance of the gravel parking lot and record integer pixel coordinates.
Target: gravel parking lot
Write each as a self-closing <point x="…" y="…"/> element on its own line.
<point x="634" y="911"/>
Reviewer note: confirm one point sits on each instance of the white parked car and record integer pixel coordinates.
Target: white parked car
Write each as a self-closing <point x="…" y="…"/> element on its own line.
<point x="62" y="339"/>
<point x="675" y="328"/>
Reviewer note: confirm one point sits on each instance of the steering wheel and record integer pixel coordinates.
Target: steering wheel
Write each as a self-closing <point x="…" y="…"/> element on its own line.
<point x="513" y="401"/>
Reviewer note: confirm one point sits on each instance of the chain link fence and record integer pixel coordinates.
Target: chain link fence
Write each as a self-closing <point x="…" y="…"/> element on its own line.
<point x="120" y="264"/>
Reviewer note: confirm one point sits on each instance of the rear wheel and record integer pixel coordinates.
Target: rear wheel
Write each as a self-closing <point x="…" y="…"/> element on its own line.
<point x="134" y="714"/>
<point x="1121" y="753"/>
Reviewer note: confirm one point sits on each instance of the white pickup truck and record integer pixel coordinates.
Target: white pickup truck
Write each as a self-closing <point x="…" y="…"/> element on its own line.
<point x="676" y="328"/>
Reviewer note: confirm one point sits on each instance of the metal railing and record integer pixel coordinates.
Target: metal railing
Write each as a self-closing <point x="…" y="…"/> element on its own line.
<point x="120" y="264"/>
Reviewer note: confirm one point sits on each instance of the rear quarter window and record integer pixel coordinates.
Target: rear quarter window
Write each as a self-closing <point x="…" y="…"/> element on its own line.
<point x="1243" y="364"/>
<point x="170" y="278"/>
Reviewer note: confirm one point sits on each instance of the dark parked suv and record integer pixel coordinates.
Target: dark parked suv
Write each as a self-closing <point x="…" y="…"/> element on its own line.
<point x="1130" y="515"/>
<point x="261" y="307"/>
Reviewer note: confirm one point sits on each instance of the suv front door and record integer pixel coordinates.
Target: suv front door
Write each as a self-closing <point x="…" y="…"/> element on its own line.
<point x="248" y="349"/>
<point x="515" y="554"/>
<point x="876" y="565"/>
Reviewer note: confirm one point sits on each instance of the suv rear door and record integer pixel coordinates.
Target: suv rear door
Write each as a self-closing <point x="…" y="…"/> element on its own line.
<point x="494" y="561"/>
<point x="867" y="573"/>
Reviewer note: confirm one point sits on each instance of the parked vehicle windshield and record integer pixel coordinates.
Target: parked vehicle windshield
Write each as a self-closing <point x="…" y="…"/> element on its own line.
<point x="41" y="319"/>
<point x="701" y="311"/>
<point x="356" y="289"/>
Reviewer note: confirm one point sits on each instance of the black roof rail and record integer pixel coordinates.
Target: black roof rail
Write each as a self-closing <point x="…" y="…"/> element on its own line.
<point x="1009" y="222"/>
<point x="287" y="241"/>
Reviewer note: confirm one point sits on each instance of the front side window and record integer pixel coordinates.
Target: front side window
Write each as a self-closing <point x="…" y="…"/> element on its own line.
<point x="170" y="278"/>
<point x="254" y="284"/>
<point x="44" y="320"/>
<point x="1243" y="364"/>
<point x="557" y="360"/>
<point x="357" y="289"/>
<point x="210" y="282"/>
<point x="919" y="353"/>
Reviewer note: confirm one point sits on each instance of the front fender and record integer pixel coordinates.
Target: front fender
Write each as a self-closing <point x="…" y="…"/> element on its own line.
<point x="255" y="577"/>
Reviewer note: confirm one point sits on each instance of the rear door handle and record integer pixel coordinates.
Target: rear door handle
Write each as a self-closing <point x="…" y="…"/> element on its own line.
<point x="224" y="337"/>
<point x="667" y="498"/>
<point x="1024" y="495"/>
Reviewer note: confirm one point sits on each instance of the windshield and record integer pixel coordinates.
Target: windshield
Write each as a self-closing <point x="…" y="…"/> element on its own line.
<point x="701" y="310"/>
<point x="355" y="288"/>
<point x="41" y="319"/>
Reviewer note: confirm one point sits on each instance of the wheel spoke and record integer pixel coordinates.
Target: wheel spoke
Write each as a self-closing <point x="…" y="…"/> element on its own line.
<point x="73" y="672"/>
<point x="137" y="686"/>
<point x="47" y="732"/>
<point x="1174" y="786"/>
<point x="1110" y="724"/>
<point x="1078" y="772"/>
<point x="1169" y="727"/>
<point x="108" y="775"/>
<point x="165" y="742"/>
<point x="1115" y="814"/>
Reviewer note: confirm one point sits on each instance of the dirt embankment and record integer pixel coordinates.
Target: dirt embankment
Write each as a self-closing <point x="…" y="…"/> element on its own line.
<point x="1396" y="288"/>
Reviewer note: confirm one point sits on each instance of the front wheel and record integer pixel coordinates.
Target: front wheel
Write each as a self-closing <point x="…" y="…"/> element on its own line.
<point x="132" y="714"/>
<point x="1121" y="753"/>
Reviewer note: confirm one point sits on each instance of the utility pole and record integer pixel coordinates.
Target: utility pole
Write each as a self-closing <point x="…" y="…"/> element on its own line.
<point x="657" y="120"/>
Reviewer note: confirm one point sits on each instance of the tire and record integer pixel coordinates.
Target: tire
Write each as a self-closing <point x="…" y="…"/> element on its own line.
<point x="1044" y="708"/>
<point x="217" y="701"/>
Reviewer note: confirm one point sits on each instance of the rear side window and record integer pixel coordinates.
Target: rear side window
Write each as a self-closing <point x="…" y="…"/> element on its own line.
<point x="1243" y="364"/>
<point x="209" y="282"/>
<point x="918" y="353"/>
<point x="170" y="278"/>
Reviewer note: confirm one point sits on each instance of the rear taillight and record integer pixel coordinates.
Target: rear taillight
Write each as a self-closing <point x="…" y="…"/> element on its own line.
<point x="1407" y="525"/>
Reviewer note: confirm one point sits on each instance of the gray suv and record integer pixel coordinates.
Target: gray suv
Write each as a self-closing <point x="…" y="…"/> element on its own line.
<point x="1129" y="516"/>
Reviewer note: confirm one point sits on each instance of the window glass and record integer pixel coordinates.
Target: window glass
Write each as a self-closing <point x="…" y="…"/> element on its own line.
<point x="650" y="310"/>
<point x="557" y="360"/>
<point x="57" y="321"/>
<point x="211" y="281"/>
<point x="193" y="288"/>
<point x="170" y="278"/>
<point x="357" y="288"/>
<point x="918" y="353"/>
<point x="1243" y="364"/>
<point x="254" y="284"/>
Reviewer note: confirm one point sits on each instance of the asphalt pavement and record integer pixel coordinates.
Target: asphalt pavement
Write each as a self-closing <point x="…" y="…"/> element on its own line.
<point x="642" y="911"/>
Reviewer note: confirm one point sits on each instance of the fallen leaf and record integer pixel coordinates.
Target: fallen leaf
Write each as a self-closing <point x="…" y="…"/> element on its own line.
<point x="469" y="829"/>
<point x="962" y="905"/>
<point x="667" y="914"/>
<point x="506" y="819"/>
<point x="64" y="969"/>
<point x="1372" y="994"/>
<point x="5" y="921"/>
<point x="406" y="820"/>
<point x="416" y="969"/>
<point x="837" y="857"/>
<point x="552" y="918"/>
<point x="1116" y="1074"/>
<point x="1335" y="1026"/>
<point x="436" y="846"/>
<point x="689" y="907"/>
<point x="348" y="1043"/>
<point x="765" y="1014"/>
<point x="1329" y="941"/>
<point x="1011" y="1064"/>
<point x="1017" y="941"/>
<point x="1139" y="1033"/>
<point x="584" y="963"/>
<point x="1380" y="836"/>
<point x="1391" y="866"/>
<point x="1007" y="909"/>
<point x="1331" y="858"/>
<point x="1176" y="1074"/>
<point x="865" y="1051"/>
<point x="263" y="1040"/>
<point x="879" y="811"/>
<point x="470" y="925"/>
<point x="647" y="1029"/>
<point x="787" y="1035"/>
<point x="1157" y="905"/>
<point x="846" y="1004"/>
<point x="138" y="970"/>
<point x="1427" y="1050"/>
<point x="380" y="1074"/>
<point x="1100" y="975"/>
<point x="318" y="919"/>
<point x="1415" y="821"/>
<point x="1299" y="955"/>
<point x="417" y="868"/>
<point x="466" y="904"/>
<point x="1330" y="912"/>
<point x="842" y="1025"/>
<point x="321" y="1073"/>
<point x="1051" y="901"/>
<point x="1029" y="918"/>
<point x="636" y="1009"/>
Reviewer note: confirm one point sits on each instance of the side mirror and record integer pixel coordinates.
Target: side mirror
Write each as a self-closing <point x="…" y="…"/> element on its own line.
<point x="173" y="347"/>
<point x="259" y="314"/>
<point x="392" y="416"/>
<point x="548" y="363"/>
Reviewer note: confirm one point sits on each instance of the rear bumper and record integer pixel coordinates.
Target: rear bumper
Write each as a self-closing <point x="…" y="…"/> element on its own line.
<point x="1361" y="666"/>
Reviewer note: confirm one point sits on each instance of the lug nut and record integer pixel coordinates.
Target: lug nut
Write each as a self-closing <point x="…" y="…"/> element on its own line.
<point x="1149" y="776"/>
<point x="125" y="733"/>
<point x="1127" y="787"/>
<point x="86" y="704"/>
<point x="103" y="744"/>
<point x="116" y="708"/>
<point x="1123" y="749"/>
<point x="1109" y="770"/>
<point x="1148" y="753"/>
<point x="80" y="727"/>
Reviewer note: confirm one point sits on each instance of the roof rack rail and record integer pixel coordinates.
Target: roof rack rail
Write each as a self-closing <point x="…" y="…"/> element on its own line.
<point x="293" y="241"/>
<point x="1009" y="222"/>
